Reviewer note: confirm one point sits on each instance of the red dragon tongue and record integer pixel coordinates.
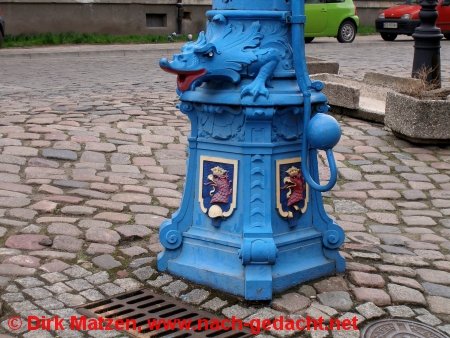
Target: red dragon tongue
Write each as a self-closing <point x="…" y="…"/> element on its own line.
<point x="186" y="78"/>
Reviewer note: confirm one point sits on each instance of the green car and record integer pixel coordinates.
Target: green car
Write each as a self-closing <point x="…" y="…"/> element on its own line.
<point x="335" y="18"/>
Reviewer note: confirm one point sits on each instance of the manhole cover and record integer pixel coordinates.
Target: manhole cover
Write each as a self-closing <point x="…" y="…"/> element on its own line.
<point x="161" y="316"/>
<point x="400" y="328"/>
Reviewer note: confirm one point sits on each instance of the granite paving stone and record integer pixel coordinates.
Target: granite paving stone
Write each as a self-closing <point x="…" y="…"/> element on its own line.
<point x="106" y="262"/>
<point x="442" y="265"/>
<point x="67" y="243"/>
<point x="49" y="303"/>
<point x="129" y="284"/>
<point x="307" y="291"/>
<point x="27" y="242"/>
<point x="429" y="319"/>
<point x="92" y="295"/>
<point x="445" y="328"/>
<point x="54" y="254"/>
<point x="71" y="299"/>
<point x="409" y="282"/>
<point x="331" y="284"/>
<point x="79" y="284"/>
<point x="134" y="251"/>
<point x="59" y="154"/>
<point x="238" y="311"/>
<point x="401" y="311"/>
<point x="113" y="217"/>
<point x="434" y="276"/>
<point x="54" y="266"/>
<point x="102" y="235"/>
<point x="23" y="260"/>
<point x="215" y="304"/>
<point x="196" y="296"/>
<point x="175" y="288"/>
<point x="339" y="300"/>
<point x="110" y="289"/>
<point x="37" y="293"/>
<point x="291" y="302"/>
<point x="58" y="288"/>
<point x="98" y="278"/>
<point x="15" y="270"/>
<point x="96" y="248"/>
<point x="377" y="296"/>
<point x="367" y="279"/>
<point x="436" y="289"/>
<point x="13" y="297"/>
<point x="64" y="229"/>
<point x="439" y="305"/>
<point x="133" y="231"/>
<point x="404" y="295"/>
<point x="77" y="271"/>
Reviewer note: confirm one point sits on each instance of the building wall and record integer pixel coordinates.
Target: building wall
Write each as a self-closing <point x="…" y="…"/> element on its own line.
<point x="124" y="16"/>
<point x="112" y="17"/>
<point x="368" y="10"/>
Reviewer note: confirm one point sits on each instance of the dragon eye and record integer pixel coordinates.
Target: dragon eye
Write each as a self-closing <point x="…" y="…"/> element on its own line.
<point x="210" y="54"/>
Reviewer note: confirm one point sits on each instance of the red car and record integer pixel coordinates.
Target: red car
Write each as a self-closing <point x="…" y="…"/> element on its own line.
<point x="403" y="19"/>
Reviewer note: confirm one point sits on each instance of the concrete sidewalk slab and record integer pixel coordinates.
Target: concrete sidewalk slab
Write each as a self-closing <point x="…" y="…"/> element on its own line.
<point x="87" y="50"/>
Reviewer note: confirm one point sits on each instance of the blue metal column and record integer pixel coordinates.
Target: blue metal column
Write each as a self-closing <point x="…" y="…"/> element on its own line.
<point x="251" y="221"/>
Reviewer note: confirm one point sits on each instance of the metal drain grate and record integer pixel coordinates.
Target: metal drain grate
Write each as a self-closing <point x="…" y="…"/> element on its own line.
<point x="144" y="306"/>
<point x="400" y="328"/>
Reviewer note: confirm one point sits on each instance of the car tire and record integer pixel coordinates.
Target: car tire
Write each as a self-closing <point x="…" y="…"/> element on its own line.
<point x="447" y="36"/>
<point x="388" y="36"/>
<point x="308" y="40"/>
<point x="346" y="32"/>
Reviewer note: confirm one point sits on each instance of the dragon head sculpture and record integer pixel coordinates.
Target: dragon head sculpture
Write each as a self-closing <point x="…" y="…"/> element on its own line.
<point x="221" y="54"/>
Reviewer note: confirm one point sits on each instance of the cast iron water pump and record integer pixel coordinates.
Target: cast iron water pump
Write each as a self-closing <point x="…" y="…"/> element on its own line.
<point x="251" y="221"/>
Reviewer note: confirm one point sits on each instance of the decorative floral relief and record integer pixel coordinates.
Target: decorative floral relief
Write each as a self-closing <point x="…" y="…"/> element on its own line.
<point x="220" y="122"/>
<point x="287" y="124"/>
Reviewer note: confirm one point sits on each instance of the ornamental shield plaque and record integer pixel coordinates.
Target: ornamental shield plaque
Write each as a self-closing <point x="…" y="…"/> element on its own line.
<point x="218" y="186"/>
<point x="292" y="190"/>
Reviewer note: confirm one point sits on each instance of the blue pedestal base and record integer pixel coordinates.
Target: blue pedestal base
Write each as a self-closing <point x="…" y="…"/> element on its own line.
<point x="259" y="245"/>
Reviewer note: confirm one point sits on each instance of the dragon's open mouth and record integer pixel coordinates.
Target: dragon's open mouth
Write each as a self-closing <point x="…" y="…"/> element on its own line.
<point x="185" y="77"/>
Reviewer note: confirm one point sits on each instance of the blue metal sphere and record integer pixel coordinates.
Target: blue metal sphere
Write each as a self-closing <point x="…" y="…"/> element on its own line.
<point x="323" y="132"/>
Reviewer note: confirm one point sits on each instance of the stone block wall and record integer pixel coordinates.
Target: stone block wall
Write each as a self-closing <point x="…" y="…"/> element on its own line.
<point x="122" y="17"/>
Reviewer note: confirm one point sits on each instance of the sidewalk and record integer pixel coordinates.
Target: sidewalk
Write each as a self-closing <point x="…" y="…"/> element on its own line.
<point x="86" y="50"/>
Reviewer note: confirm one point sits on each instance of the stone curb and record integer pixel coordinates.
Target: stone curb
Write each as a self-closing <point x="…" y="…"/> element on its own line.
<point x="88" y="50"/>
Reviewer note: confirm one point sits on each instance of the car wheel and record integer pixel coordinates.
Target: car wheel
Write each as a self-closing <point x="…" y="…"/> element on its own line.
<point x="447" y="36"/>
<point x="346" y="32"/>
<point x="308" y="40"/>
<point x="388" y="36"/>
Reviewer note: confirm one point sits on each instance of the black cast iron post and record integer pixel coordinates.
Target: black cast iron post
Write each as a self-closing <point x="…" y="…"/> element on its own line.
<point x="180" y="13"/>
<point x="427" y="38"/>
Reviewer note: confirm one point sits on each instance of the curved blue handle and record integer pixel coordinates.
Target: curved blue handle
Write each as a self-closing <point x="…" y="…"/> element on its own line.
<point x="321" y="132"/>
<point x="333" y="172"/>
<point x="304" y="84"/>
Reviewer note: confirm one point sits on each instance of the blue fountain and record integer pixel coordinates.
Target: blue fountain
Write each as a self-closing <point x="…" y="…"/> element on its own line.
<point x="251" y="221"/>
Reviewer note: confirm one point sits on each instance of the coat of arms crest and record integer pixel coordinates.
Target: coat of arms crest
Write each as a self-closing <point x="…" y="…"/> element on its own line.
<point x="292" y="190"/>
<point x="218" y="186"/>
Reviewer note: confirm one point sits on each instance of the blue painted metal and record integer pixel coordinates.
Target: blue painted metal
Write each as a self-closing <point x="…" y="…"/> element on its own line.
<point x="251" y="221"/>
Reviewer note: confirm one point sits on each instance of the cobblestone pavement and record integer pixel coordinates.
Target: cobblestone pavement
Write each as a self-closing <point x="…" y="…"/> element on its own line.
<point x="92" y="153"/>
